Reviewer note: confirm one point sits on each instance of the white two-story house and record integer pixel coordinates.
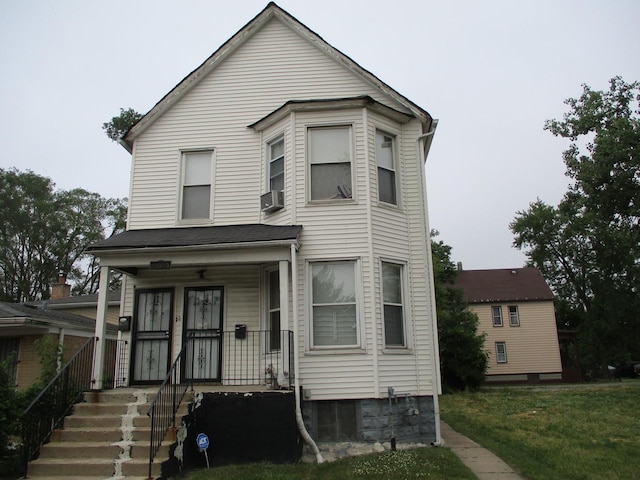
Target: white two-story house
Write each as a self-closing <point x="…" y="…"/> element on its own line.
<point x="278" y="229"/>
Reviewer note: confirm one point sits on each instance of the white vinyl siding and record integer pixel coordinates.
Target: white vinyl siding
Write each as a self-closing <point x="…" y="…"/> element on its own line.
<point x="270" y="69"/>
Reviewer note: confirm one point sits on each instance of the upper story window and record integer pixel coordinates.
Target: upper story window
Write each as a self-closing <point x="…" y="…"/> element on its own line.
<point x="197" y="168"/>
<point x="276" y="164"/>
<point x="496" y="314"/>
<point x="393" y="308"/>
<point x="330" y="162"/>
<point x="514" y="317"/>
<point x="334" y="304"/>
<point x="385" y="156"/>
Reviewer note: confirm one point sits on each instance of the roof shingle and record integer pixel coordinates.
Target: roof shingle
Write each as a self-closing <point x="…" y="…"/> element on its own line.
<point x="182" y="237"/>
<point x="501" y="285"/>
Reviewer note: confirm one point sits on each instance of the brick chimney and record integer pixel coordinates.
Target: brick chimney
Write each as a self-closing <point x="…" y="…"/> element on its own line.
<point x="61" y="289"/>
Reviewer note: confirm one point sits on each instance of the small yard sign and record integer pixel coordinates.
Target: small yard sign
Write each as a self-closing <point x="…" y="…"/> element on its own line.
<point x="203" y="443"/>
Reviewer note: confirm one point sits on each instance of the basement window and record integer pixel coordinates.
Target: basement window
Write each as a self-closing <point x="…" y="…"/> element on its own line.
<point x="336" y="420"/>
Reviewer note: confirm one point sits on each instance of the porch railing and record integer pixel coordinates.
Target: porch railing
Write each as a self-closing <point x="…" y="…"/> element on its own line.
<point x="47" y="411"/>
<point x="258" y="357"/>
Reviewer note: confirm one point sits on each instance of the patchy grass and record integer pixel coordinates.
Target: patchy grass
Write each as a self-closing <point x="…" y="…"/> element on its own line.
<point x="419" y="463"/>
<point x="582" y="432"/>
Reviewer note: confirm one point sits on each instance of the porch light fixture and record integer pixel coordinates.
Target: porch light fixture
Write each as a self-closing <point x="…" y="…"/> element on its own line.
<point x="201" y="274"/>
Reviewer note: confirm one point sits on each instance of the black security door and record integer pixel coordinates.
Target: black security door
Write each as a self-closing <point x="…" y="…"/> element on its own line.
<point x="203" y="333"/>
<point x="152" y="335"/>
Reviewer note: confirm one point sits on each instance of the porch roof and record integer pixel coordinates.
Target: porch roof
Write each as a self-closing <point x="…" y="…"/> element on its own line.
<point x="202" y="236"/>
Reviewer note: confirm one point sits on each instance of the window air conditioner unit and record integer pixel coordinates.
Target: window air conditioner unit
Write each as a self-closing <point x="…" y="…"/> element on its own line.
<point x="272" y="201"/>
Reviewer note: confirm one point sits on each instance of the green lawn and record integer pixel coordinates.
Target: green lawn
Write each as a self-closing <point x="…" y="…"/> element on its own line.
<point x="419" y="463"/>
<point x="576" y="432"/>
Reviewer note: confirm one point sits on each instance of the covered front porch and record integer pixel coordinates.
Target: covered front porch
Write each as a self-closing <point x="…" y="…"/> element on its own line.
<point x="219" y="299"/>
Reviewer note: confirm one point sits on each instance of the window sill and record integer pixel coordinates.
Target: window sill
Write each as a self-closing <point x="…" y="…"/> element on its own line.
<point x="331" y="201"/>
<point x="336" y="351"/>
<point x="397" y="351"/>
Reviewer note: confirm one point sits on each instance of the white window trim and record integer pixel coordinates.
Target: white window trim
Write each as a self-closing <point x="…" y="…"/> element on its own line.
<point x="396" y="170"/>
<point x="181" y="174"/>
<point x="352" y="162"/>
<point x="506" y="358"/>
<point x="407" y="326"/>
<point x="517" y="323"/>
<point x="268" y="142"/>
<point x="358" y="347"/>
<point x="266" y="308"/>
<point x="501" y="316"/>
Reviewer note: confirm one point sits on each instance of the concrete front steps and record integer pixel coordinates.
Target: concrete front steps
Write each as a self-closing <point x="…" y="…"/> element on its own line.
<point x="107" y="436"/>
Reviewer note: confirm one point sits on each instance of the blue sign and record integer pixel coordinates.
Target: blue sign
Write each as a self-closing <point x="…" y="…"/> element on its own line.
<point x="203" y="441"/>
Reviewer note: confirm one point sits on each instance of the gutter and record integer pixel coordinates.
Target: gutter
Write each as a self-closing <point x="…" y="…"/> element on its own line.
<point x="435" y="364"/>
<point x="296" y="361"/>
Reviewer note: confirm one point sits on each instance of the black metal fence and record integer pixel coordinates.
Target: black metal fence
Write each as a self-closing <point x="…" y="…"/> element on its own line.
<point x="47" y="411"/>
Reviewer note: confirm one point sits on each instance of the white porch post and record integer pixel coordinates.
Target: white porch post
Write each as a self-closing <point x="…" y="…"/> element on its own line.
<point x="284" y="318"/>
<point x="101" y="328"/>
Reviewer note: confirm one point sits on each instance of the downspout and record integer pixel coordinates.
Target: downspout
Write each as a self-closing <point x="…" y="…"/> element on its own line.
<point x="435" y="364"/>
<point x="296" y="361"/>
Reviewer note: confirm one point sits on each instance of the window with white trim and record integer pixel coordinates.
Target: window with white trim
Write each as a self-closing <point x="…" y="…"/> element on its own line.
<point x="393" y="305"/>
<point x="385" y="156"/>
<point x="501" y="352"/>
<point x="276" y="164"/>
<point x="334" y="306"/>
<point x="273" y="285"/>
<point x="196" y="185"/>
<point x="514" y="317"/>
<point x="496" y="315"/>
<point x="330" y="162"/>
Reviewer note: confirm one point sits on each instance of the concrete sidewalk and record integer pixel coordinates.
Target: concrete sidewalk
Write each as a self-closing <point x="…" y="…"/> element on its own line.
<point x="480" y="461"/>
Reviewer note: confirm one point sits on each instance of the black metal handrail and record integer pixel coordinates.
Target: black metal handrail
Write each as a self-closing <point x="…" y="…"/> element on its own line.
<point x="47" y="411"/>
<point x="165" y="404"/>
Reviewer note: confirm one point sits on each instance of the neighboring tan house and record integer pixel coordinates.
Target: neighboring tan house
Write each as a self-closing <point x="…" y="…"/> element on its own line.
<point x="278" y="230"/>
<point x="515" y="309"/>
<point x="69" y="321"/>
<point x="21" y="326"/>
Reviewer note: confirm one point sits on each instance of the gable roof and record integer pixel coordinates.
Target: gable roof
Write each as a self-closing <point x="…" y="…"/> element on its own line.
<point x="20" y="315"/>
<point x="236" y="235"/>
<point x="271" y="11"/>
<point x="502" y="285"/>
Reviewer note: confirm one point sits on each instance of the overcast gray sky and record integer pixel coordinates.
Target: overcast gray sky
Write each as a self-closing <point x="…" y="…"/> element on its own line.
<point x="491" y="71"/>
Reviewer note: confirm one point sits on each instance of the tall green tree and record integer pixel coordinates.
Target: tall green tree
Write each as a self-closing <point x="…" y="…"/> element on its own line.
<point x="120" y="125"/>
<point x="588" y="247"/>
<point x="44" y="231"/>
<point x="463" y="360"/>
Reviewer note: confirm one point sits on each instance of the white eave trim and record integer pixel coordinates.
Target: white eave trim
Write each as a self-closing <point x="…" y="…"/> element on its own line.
<point x="195" y="248"/>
